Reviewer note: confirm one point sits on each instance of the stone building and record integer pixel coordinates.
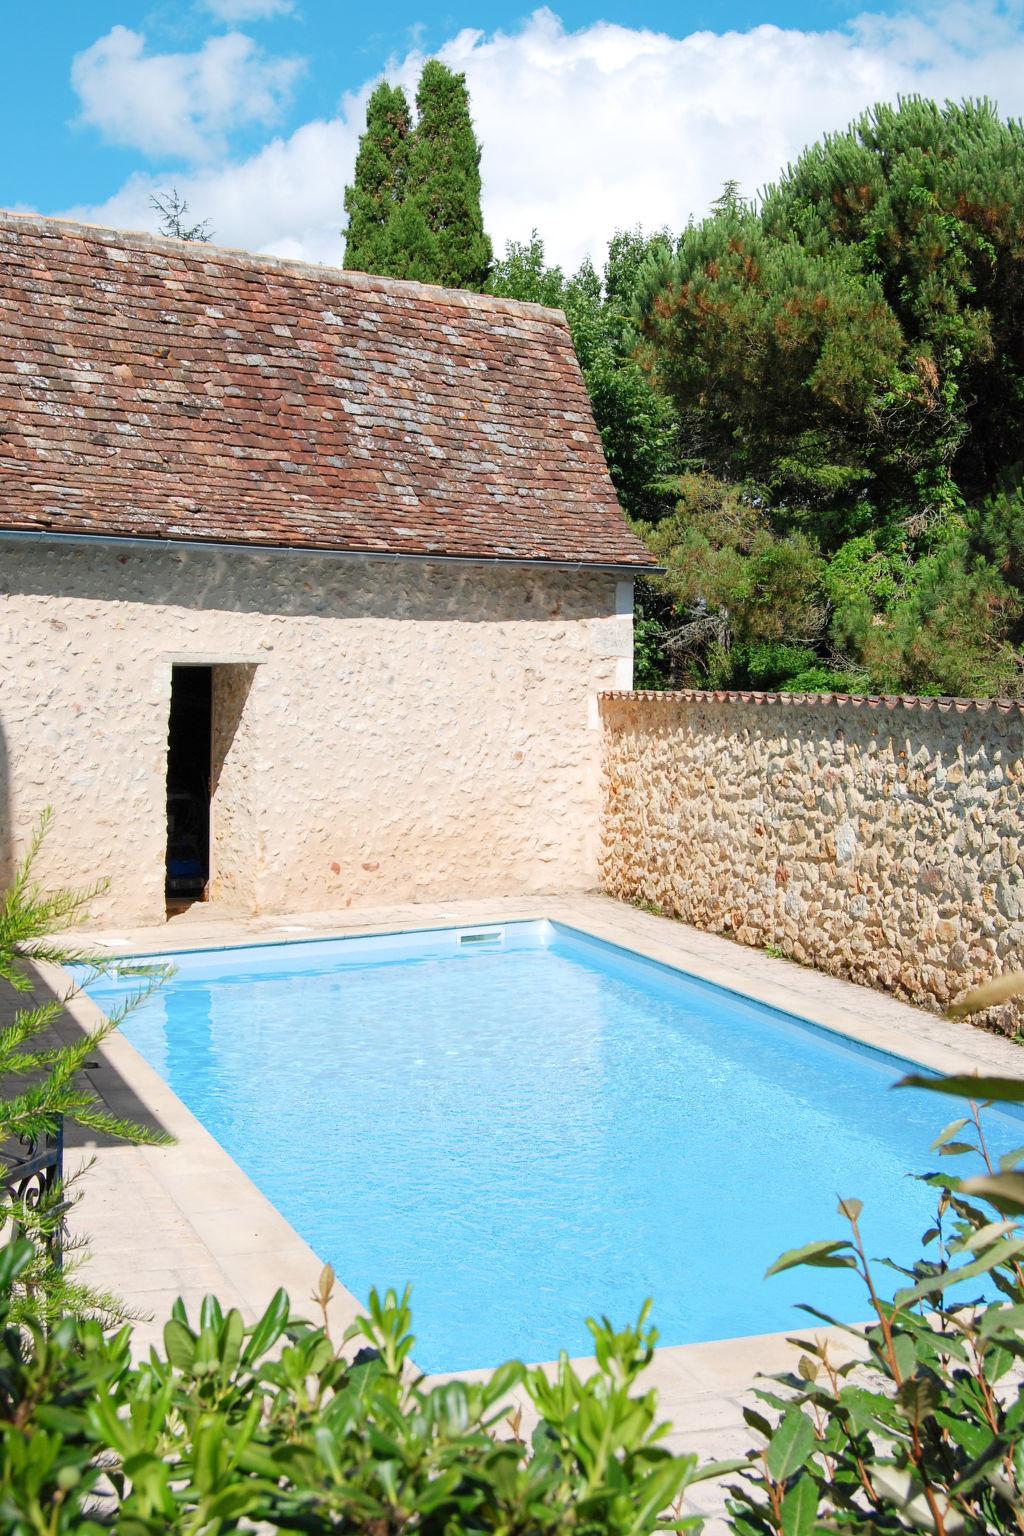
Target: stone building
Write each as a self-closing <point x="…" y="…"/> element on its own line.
<point x="309" y="581"/>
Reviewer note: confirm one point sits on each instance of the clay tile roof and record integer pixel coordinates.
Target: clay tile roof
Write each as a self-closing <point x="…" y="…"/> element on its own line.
<point x="159" y="390"/>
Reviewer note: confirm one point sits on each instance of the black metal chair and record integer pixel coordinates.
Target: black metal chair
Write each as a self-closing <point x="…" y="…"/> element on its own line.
<point x="27" y="1179"/>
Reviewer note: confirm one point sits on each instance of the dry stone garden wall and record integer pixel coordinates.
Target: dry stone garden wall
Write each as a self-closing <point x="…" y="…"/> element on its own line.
<point x="877" y="839"/>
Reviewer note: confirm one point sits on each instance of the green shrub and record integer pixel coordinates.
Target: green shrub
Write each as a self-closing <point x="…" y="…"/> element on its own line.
<point x="924" y="1428"/>
<point x="269" y="1423"/>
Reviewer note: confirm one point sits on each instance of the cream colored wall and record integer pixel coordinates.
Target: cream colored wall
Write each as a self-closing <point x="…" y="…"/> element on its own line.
<point x="882" y="844"/>
<point x="236" y="835"/>
<point x="408" y="730"/>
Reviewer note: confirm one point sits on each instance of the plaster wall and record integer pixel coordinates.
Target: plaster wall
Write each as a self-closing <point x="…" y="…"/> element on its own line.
<point x="236" y="849"/>
<point x="876" y="840"/>
<point x="383" y="730"/>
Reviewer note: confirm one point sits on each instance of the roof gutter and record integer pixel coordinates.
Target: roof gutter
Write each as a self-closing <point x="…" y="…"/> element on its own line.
<point x="120" y="541"/>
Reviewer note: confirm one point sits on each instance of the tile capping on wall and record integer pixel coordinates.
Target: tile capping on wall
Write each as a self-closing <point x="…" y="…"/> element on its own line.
<point x="943" y="704"/>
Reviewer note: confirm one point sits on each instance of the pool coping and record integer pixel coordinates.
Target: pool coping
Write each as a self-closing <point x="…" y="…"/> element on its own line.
<point x="206" y="1227"/>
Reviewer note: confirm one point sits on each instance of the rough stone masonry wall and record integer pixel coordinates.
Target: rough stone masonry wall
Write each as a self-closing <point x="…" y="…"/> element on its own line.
<point x="880" y="840"/>
<point x="383" y="731"/>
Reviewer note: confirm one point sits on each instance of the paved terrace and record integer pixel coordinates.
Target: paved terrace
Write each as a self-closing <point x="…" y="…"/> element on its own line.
<point x="186" y="1220"/>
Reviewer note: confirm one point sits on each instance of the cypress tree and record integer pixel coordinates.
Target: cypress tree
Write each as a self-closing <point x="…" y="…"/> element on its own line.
<point x="409" y="247"/>
<point x="379" y="184"/>
<point x="444" y="179"/>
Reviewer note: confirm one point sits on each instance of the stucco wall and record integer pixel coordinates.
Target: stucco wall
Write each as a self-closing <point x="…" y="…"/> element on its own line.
<point x="879" y="841"/>
<point x="390" y="731"/>
<point x="236" y="847"/>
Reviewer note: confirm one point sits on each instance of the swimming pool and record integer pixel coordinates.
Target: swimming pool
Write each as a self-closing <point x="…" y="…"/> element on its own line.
<point x="533" y="1126"/>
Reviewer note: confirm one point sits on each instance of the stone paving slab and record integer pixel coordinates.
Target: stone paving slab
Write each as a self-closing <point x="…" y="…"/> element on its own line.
<point x="185" y="1220"/>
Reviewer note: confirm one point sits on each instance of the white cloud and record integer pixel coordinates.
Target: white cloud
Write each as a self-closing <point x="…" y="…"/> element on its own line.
<point x="609" y="126"/>
<point x="248" y="10"/>
<point x="182" y="104"/>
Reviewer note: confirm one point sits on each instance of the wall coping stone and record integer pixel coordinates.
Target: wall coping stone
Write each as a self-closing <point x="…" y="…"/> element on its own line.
<point x="877" y="701"/>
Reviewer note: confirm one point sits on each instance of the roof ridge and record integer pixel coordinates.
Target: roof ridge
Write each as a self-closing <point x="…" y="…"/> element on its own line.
<point x="139" y="239"/>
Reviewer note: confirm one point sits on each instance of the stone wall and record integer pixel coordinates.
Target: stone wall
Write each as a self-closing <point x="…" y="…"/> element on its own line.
<point x="877" y="839"/>
<point x="383" y="730"/>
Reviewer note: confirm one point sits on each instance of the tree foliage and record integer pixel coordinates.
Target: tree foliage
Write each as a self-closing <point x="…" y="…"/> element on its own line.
<point x="636" y="421"/>
<point x="175" y="219"/>
<point x="812" y="408"/>
<point x="272" y="1426"/>
<point x="414" y="204"/>
<point x="444" y="179"/>
<point x="379" y="185"/>
<point x="847" y="360"/>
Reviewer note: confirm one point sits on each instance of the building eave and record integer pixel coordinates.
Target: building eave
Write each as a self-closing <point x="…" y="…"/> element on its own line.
<point x="36" y="536"/>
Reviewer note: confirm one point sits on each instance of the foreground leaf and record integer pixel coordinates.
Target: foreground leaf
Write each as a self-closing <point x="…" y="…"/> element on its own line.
<point x="790" y="1445"/>
<point x="1000" y="1090"/>
<point x="800" y="1507"/>
<point x="834" y="1255"/>
<point x="1003" y="1190"/>
<point x="999" y="990"/>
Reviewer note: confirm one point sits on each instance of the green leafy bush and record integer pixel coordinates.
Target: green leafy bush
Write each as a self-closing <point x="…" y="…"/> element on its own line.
<point x="270" y="1423"/>
<point x="923" y="1428"/>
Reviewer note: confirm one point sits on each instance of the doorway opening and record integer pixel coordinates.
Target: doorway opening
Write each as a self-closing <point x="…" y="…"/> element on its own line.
<point x="189" y="746"/>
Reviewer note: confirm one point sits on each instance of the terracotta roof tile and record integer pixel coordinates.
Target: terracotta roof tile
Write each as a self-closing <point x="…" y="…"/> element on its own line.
<point x="153" y="389"/>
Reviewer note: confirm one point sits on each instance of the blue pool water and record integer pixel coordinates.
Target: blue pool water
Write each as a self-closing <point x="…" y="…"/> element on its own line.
<point x="541" y="1131"/>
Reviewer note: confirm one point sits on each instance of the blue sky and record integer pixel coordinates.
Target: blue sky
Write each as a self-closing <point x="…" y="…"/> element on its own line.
<point x="593" y="113"/>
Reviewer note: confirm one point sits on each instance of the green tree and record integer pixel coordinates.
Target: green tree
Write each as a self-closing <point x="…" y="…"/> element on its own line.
<point x="444" y="179"/>
<point x="414" y="204"/>
<point x="929" y="201"/>
<point x="379" y="185"/>
<point x="637" y="423"/>
<point x="523" y="273"/>
<point x="174" y="218"/>
<point x="747" y="602"/>
<point x="408" y="246"/>
<point x="849" y="360"/>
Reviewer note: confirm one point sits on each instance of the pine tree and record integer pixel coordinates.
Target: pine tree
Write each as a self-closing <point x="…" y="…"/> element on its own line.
<point x="379" y="184"/>
<point x="444" y="179"/>
<point x="846" y="357"/>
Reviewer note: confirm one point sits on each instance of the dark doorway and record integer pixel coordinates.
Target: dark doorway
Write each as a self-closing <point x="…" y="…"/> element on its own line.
<point x="188" y="785"/>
